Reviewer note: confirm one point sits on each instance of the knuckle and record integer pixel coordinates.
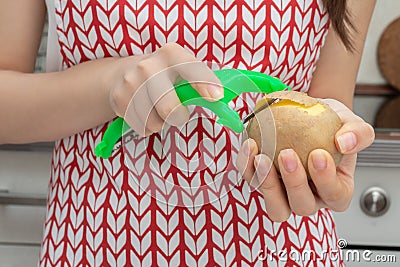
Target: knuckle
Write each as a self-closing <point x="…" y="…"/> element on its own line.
<point x="171" y="45"/>
<point x="177" y="54"/>
<point x="187" y="57"/>
<point x="169" y="48"/>
<point x="296" y="186"/>
<point x="128" y="78"/>
<point x="145" y="67"/>
<point x="267" y="187"/>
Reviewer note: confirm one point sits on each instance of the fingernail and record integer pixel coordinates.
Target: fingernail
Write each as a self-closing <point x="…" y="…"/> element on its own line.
<point x="263" y="165"/>
<point x="289" y="160"/>
<point x="215" y="92"/>
<point x="347" y="142"/>
<point x="318" y="160"/>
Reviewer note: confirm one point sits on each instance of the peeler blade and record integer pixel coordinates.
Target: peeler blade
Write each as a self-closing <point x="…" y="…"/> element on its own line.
<point x="126" y="138"/>
<point x="264" y="106"/>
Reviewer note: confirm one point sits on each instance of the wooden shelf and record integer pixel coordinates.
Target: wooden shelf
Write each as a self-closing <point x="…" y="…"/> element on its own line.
<point x="376" y="90"/>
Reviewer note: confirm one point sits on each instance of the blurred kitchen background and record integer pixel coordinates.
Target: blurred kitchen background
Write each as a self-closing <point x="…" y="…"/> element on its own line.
<point x="370" y="226"/>
<point x="371" y="223"/>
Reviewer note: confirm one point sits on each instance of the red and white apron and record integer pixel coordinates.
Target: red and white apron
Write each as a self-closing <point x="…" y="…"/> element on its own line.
<point x="176" y="198"/>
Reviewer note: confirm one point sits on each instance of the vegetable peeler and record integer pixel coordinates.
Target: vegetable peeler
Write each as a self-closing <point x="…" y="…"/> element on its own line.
<point x="234" y="82"/>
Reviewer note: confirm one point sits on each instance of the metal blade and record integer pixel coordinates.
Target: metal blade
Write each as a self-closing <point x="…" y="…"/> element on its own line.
<point x="126" y="138"/>
<point x="264" y="106"/>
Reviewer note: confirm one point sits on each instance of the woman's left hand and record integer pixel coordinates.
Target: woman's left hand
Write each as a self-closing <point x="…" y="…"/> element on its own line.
<point x="332" y="186"/>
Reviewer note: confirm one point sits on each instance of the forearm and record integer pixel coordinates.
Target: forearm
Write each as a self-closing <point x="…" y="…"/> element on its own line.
<point x="49" y="106"/>
<point x="336" y="73"/>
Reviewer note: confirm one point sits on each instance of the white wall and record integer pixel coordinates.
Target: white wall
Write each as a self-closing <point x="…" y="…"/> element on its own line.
<point x="385" y="12"/>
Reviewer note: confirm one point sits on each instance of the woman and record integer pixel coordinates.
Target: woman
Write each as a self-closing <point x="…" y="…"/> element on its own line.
<point x="176" y="197"/>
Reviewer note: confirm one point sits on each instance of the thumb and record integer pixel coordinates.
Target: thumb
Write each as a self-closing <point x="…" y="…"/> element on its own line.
<point x="354" y="136"/>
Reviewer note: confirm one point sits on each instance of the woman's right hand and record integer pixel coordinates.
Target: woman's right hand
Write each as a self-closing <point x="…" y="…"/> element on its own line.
<point x="142" y="91"/>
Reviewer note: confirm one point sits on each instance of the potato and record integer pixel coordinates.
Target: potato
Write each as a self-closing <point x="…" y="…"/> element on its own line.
<point x="296" y="121"/>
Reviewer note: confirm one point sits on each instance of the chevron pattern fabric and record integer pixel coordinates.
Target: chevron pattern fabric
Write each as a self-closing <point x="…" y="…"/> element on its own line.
<point x="175" y="198"/>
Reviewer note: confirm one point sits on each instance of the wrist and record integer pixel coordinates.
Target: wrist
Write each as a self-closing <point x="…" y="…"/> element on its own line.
<point x="109" y="78"/>
<point x="118" y="81"/>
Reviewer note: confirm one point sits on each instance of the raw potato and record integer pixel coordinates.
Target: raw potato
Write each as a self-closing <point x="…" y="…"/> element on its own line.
<point x="302" y="123"/>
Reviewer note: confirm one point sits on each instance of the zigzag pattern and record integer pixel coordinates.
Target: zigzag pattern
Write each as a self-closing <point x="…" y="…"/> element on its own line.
<point x="175" y="198"/>
<point x="225" y="32"/>
<point x="254" y="29"/>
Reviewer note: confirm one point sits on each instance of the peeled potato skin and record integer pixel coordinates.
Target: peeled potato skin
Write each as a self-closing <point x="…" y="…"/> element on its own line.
<point x="295" y="129"/>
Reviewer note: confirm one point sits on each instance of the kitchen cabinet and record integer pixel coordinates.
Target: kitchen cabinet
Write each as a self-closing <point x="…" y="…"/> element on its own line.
<point x="18" y="255"/>
<point x="24" y="178"/>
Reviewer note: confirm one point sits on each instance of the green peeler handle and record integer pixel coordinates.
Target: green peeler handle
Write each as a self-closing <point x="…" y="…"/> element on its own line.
<point x="235" y="82"/>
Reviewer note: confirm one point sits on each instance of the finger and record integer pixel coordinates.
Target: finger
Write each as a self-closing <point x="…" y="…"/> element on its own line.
<point x="336" y="190"/>
<point x="201" y="77"/>
<point x="271" y="187"/>
<point x="245" y="159"/>
<point x="133" y="120"/>
<point x="162" y="94"/>
<point x="300" y="196"/>
<point x="154" y="122"/>
<point x="130" y="114"/>
<point x="146" y="111"/>
<point x="166" y="102"/>
<point x="354" y="136"/>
